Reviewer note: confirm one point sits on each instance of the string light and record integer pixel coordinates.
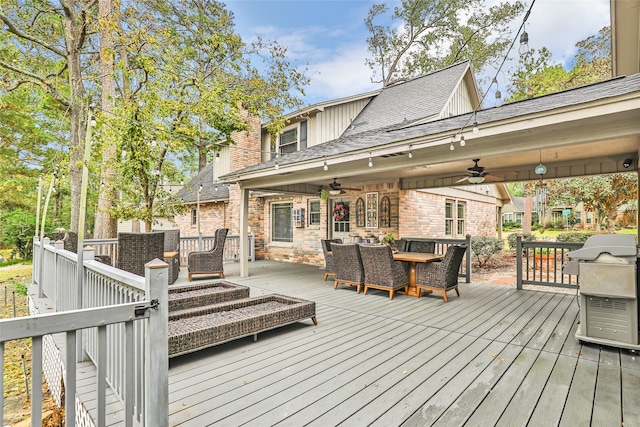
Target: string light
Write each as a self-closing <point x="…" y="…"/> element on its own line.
<point x="277" y="166"/>
<point x="451" y="147"/>
<point x="370" y="161"/>
<point x="217" y="157"/>
<point x="462" y="141"/>
<point x="410" y="153"/>
<point x="524" y="40"/>
<point x="325" y="166"/>
<point x="93" y="121"/>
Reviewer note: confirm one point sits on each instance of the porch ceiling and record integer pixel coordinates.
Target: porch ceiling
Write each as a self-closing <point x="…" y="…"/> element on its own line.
<point x="572" y="141"/>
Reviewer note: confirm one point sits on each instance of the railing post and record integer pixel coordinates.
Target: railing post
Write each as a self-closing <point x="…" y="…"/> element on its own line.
<point x="86" y="254"/>
<point x="157" y="345"/>
<point x="518" y="262"/>
<point x="468" y="259"/>
<point x="43" y="242"/>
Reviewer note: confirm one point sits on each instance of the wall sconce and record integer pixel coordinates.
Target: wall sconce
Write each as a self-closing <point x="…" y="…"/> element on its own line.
<point x="627" y="163"/>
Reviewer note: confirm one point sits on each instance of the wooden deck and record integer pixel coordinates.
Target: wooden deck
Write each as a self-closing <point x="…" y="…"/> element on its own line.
<point x="493" y="356"/>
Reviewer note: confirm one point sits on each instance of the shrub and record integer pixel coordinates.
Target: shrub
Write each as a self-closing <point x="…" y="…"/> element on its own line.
<point x="483" y="248"/>
<point x="509" y="225"/>
<point x="526" y="237"/>
<point x="18" y="230"/>
<point x="574" y="237"/>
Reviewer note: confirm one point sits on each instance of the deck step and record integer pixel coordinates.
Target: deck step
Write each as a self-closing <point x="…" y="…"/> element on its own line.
<point x="187" y="297"/>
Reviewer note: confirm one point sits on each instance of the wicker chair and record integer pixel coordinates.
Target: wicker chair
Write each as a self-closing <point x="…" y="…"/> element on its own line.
<point x="441" y="276"/>
<point x="348" y="264"/>
<point x="381" y="271"/>
<point x="70" y="241"/>
<point x="329" y="265"/>
<point x="425" y="246"/>
<point x="171" y="240"/>
<point x="137" y="249"/>
<point x="211" y="261"/>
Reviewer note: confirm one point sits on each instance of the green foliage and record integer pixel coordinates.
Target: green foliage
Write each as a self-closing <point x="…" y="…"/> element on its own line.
<point x="429" y="35"/>
<point x="526" y="237"/>
<point x="509" y="225"/>
<point x="18" y="229"/>
<point x="21" y="288"/>
<point x="537" y="76"/>
<point x="483" y="248"/>
<point x="574" y="237"/>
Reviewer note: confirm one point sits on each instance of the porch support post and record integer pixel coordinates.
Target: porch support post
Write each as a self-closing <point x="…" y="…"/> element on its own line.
<point x="468" y="259"/>
<point x="519" y="262"/>
<point x="244" y="232"/>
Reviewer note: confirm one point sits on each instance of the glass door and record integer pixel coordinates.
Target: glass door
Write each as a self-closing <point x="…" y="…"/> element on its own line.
<point x="340" y="214"/>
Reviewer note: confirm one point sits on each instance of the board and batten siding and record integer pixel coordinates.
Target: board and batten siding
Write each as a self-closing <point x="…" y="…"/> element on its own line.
<point x="333" y="121"/>
<point x="459" y="102"/>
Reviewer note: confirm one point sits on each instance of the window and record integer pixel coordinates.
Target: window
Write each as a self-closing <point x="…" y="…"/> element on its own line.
<point x="589" y="218"/>
<point x="461" y="215"/>
<point x="314" y="212"/>
<point x="194" y="216"/>
<point x="281" y="229"/>
<point x="289" y="141"/>
<point x="448" y="218"/>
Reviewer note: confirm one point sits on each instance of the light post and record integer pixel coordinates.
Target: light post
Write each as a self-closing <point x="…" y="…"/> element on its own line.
<point x="198" y="218"/>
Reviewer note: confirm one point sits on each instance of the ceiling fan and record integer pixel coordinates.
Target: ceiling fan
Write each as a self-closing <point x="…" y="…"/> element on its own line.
<point x="335" y="188"/>
<point x="476" y="174"/>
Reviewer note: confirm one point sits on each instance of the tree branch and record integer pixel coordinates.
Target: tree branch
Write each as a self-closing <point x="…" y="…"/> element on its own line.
<point x="37" y="80"/>
<point x="14" y="30"/>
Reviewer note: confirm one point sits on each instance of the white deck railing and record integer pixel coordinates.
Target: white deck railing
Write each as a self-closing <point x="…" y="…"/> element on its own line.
<point x="101" y="320"/>
<point x="187" y="244"/>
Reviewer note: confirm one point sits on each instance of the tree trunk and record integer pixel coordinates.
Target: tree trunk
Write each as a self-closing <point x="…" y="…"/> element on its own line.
<point x="73" y="30"/>
<point x="105" y="225"/>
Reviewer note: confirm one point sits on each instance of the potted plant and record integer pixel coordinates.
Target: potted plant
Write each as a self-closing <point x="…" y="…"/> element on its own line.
<point x="389" y="240"/>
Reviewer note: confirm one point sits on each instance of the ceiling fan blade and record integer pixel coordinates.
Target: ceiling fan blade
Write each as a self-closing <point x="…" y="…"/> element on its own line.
<point x="504" y="173"/>
<point x="493" y="178"/>
<point x="466" y="178"/>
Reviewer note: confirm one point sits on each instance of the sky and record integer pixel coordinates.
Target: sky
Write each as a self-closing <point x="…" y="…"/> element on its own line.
<point x="329" y="36"/>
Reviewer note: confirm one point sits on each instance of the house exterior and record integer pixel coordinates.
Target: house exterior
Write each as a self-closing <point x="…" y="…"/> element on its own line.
<point x="289" y="224"/>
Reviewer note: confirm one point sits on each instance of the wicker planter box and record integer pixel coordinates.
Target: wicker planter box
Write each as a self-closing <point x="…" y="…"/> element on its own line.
<point x="203" y="294"/>
<point x="216" y="324"/>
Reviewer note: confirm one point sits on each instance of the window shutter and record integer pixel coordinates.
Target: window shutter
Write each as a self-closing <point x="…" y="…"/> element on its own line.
<point x="303" y="135"/>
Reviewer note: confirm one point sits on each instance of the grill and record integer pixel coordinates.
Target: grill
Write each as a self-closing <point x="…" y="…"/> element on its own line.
<point x="606" y="266"/>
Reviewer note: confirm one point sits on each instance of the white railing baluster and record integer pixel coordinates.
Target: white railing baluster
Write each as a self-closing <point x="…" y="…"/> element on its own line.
<point x="129" y="378"/>
<point x="101" y="371"/>
<point x="70" y="380"/>
<point x="2" y="382"/>
<point x="36" y="381"/>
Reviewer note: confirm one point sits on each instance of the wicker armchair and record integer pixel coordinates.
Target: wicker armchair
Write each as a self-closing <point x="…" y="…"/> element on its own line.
<point x="441" y="276"/>
<point x="172" y="252"/>
<point x="137" y="249"/>
<point x="211" y="261"/>
<point x="329" y="265"/>
<point x="171" y="240"/>
<point x="425" y="246"/>
<point x="348" y="264"/>
<point x="381" y="271"/>
<point x="70" y="242"/>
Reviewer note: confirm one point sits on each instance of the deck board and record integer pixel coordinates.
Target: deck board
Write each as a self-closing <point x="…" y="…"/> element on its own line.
<point x="493" y="356"/>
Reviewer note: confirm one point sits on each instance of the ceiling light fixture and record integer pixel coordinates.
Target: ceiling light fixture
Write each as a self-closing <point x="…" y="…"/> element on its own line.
<point x="540" y="169"/>
<point x="334" y="192"/>
<point x="476" y="179"/>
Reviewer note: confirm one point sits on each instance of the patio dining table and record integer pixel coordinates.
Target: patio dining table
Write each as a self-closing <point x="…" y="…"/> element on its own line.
<point x="413" y="258"/>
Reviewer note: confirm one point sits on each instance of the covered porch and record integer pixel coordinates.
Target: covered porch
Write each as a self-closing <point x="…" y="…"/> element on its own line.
<point x="494" y="356"/>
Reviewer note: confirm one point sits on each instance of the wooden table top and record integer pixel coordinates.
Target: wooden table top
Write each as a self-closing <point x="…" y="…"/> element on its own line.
<point x="417" y="256"/>
<point x="170" y="254"/>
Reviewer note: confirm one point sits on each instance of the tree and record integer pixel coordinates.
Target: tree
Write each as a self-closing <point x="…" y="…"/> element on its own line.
<point x="44" y="48"/>
<point x="187" y="83"/>
<point x="433" y="34"/>
<point x="603" y="194"/>
<point x="537" y="76"/>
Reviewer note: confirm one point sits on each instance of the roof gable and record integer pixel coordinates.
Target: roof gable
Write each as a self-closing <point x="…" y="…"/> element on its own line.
<point x="423" y="98"/>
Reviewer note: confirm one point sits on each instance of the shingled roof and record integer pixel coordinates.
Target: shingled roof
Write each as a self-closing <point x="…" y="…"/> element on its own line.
<point x="398" y="133"/>
<point x="211" y="191"/>
<point x="414" y="100"/>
